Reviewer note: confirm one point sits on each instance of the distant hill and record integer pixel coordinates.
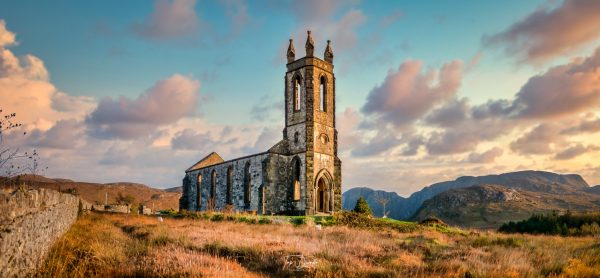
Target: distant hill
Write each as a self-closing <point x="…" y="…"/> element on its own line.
<point x="594" y="189"/>
<point x="394" y="206"/>
<point x="491" y="205"/>
<point x="175" y="189"/>
<point x="96" y="193"/>
<point x="550" y="184"/>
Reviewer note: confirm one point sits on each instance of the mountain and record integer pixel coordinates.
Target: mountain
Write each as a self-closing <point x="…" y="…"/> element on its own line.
<point x="594" y="189"/>
<point x="178" y="189"/>
<point x="350" y="197"/>
<point x="491" y="205"/>
<point x="97" y="193"/>
<point x="532" y="181"/>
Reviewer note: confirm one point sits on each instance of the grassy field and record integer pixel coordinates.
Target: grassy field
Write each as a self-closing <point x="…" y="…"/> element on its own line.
<point x="240" y="246"/>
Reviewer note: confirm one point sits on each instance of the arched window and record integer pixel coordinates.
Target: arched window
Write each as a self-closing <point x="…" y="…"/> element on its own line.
<point x="229" y="185"/>
<point x="297" y="92"/>
<point x="247" y="181"/>
<point x="199" y="191"/>
<point x="323" y="91"/>
<point x="213" y="184"/>
<point x="296" y="181"/>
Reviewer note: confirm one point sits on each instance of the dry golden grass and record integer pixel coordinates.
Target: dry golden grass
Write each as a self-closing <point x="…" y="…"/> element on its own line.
<point x="127" y="245"/>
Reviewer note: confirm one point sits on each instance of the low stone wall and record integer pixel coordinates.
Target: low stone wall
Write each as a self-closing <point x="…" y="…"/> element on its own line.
<point x="30" y="221"/>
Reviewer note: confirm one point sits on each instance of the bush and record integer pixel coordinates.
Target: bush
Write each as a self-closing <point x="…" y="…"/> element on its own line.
<point x="217" y="217"/>
<point x="555" y="224"/>
<point x="362" y="207"/>
<point x="298" y="220"/>
<point x="264" y="220"/>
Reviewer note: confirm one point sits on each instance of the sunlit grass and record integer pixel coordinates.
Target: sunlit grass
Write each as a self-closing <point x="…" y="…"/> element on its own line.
<point x="239" y="246"/>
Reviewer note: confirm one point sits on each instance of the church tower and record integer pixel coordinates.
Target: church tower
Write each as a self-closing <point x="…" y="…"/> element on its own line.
<point x="310" y="126"/>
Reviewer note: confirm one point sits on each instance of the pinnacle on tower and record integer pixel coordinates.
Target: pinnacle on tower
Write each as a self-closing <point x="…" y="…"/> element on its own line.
<point x="291" y="52"/>
<point x="328" y="52"/>
<point x="310" y="45"/>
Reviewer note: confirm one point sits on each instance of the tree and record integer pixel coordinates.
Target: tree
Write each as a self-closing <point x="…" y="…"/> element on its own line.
<point x="124" y="200"/>
<point x="362" y="206"/>
<point x="12" y="161"/>
<point x="383" y="202"/>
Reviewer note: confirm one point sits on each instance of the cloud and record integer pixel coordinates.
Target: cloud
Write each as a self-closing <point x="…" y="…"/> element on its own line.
<point x="170" y="19"/>
<point x="548" y="33"/>
<point x="262" y="110"/>
<point x="28" y="66"/>
<point x="65" y="134"/>
<point x="452" y="113"/>
<point x="381" y="142"/>
<point x="562" y="90"/>
<point x="408" y="93"/>
<point x="575" y="151"/>
<point x="190" y="139"/>
<point x="166" y="102"/>
<point x="591" y="126"/>
<point x="347" y="124"/>
<point x="7" y="38"/>
<point x="25" y="89"/>
<point x="488" y="156"/>
<point x="540" y="140"/>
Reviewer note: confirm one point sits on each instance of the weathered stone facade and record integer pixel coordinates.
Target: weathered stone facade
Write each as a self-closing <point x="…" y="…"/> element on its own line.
<point x="300" y="175"/>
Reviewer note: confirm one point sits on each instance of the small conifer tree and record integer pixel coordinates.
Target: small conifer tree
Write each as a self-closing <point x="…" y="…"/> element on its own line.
<point x="362" y="206"/>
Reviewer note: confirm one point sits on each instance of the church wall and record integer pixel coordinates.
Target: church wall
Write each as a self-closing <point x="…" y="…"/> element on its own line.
<point x="301" y="130"/>
<point x="237" y="189"/>
<point x="273" y="171"/>
<point x="279" y="191"/>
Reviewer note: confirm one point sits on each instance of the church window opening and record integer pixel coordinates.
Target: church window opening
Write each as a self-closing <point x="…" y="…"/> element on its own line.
<point x="297" y="90"/>
<point x="296" y="137"/>
<point x="296" y="179"/>
<point x="199" y="191"/>
<point x="229" y="185"/>
<point x="213" y="184"/>
<point x="247" y="181"/>
<point x="323" y="96"/>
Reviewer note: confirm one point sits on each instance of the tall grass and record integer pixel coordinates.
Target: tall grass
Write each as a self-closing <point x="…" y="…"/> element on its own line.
<point x="121" y="245"/>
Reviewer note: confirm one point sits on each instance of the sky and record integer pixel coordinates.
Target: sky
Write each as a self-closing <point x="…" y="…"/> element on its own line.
<point x="426" y="91"/>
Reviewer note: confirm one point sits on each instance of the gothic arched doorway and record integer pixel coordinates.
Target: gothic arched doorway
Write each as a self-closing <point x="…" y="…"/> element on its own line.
<point x="323" y="193"/>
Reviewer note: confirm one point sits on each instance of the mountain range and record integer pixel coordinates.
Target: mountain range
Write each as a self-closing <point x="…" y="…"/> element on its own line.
<point x="485" y="201"/>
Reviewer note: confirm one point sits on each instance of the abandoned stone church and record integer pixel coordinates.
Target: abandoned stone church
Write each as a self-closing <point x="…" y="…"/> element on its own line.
<point x="300" y="175"/>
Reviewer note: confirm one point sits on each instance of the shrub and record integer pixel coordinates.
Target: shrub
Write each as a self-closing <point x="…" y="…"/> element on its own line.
<point x="264" y="220"/>
<point x="217" y="217"/>
<point x="362" y="207"/>
<point x="298" y="220"/>
<point x="555" y="224"/>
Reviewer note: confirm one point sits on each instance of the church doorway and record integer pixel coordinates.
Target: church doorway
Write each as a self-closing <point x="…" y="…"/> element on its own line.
<point x="322" y="195"/>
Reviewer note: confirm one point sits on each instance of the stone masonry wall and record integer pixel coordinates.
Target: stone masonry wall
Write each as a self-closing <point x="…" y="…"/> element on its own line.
<point x="30" y="221"/>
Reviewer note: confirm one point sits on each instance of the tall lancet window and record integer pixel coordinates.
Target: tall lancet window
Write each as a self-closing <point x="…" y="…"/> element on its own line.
<point x="296" y="172"/>
<point x="323" y="97"/>
<point x="213" y="184"/>
<point x="229" y="185"/>
<point x="247" y="185"/>
<point x="297" y="90"/>
<point x="199" y="191"/>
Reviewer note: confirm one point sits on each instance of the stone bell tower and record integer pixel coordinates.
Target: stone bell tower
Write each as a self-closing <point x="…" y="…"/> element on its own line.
<point x="310" y="126"/>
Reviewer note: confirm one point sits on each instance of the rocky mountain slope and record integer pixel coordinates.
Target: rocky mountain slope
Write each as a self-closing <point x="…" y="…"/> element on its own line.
<point x="491" y="205"/>
<point x="550" y="184"/>
<point x="96" y="193"/>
